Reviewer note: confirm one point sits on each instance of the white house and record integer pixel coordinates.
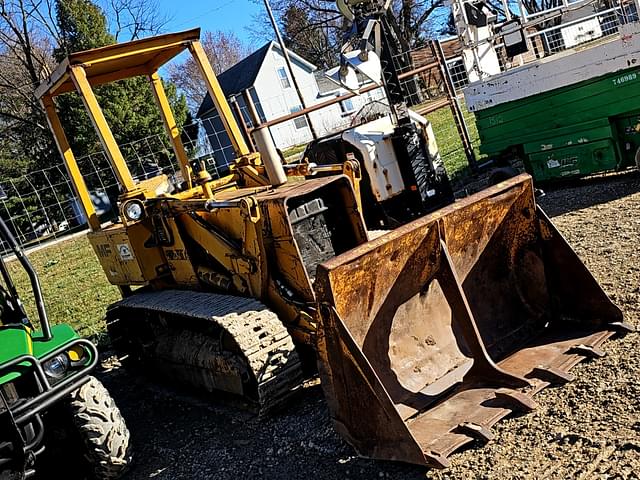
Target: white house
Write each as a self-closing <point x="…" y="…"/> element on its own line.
<point x="264" y="76"/>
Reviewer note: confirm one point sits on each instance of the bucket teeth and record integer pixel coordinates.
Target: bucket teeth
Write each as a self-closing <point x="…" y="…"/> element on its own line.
<point x="479" y="432"/>
<point x="621" y="327"/>
<point x="516" y="400"/>
<point x="588" y="351"/>
<point x="437" y="460"/>
<point x="553" y="375"/>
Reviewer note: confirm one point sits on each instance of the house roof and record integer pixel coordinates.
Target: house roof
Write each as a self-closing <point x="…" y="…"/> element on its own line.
<point x="451" y="47"/>
<point x="243" y="74"/>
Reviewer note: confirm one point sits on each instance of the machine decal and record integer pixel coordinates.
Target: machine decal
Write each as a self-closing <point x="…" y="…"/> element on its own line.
<point x="104" y="250"/>
<point x="124" y="250"/>
<point x="625" y="78"/>
<point x="176" y="254"/>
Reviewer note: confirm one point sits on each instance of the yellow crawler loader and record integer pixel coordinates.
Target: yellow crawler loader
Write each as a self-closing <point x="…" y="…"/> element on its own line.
<point x="424" y="337"/>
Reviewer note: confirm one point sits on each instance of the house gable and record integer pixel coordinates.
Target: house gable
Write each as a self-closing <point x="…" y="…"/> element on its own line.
<point x="243" y="74"/>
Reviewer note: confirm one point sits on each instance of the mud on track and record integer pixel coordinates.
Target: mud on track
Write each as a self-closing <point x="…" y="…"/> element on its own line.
<point x="590" y="428"/>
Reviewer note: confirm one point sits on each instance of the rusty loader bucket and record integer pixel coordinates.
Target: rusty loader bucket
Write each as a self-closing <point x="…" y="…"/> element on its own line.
<point x="433" y="332"/>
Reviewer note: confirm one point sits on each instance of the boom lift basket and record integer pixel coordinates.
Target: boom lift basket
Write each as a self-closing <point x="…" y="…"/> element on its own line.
<point x="433" y="332"/>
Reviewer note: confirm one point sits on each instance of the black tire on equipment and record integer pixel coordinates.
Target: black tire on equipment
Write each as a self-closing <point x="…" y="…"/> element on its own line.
<point x="100" y="426"/>
<point x="501" y="174"/>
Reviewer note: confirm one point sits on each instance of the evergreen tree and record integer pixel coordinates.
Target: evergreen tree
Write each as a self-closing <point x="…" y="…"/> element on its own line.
<point x="128" y="105"/>
<point x="82" y="26"/>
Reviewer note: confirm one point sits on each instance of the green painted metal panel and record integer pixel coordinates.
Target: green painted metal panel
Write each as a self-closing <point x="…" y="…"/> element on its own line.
<point x="61" y="333"/>
<point x="583" y="101"/>
<point x="574" y="160"/>
<point x="579" y="136"/>
<point x="583" y="113"/>
<point x="628" y="129"/>
<point x="16" y="341"/>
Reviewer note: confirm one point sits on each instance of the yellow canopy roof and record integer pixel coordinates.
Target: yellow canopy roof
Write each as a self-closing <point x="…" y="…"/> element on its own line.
<point x="115" y="62"/>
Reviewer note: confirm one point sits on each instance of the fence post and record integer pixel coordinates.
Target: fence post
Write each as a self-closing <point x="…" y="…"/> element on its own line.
<point x="236" y="106"/>
<point x="458" y="116"/>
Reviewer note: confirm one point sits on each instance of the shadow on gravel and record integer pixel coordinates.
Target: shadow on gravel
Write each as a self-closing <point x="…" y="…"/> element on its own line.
<point x="179" y="434"/>
<point x="582" y="193"/>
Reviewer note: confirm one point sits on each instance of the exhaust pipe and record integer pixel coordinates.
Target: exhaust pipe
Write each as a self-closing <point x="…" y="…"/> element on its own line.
<point x="270" y="156"/>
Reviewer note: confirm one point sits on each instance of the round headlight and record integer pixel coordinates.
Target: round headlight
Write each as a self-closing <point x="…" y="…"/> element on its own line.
<point x="133" y="210"/>
<point x="57" y="366"/>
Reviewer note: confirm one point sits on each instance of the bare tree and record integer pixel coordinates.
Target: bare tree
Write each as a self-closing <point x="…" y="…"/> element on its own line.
<point x="224" y="49"/>
<point x="29" y="36"/>
<point x="314" y="40"/>
<point x="413" y="18"/>
<point x="312" y="28"/>
<point x="132" y="19"/>
<point x="26" y="34"/>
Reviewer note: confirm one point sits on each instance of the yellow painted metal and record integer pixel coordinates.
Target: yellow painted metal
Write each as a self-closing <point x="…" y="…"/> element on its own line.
<point x="108" y="77"/>
<point x="80" y="187"/>
<point x="219" y="247"/>
<point x="118" y="61"/>
<point x="155" y="186"/>
<point x="219" y="100"/>
<point x="117" y="256"/>
<point x="56" y="80"/>
<point x="180" y="263"/>
<point x="102" y="128"/>
<point x="75" y="353"/>
<point x="252" y="245"/>
<point x="125" y="255"/>
<point x="136" y="54"/>
<point x="351" y="168"/>
<point x="252" y="176"/>
<point x="170" y="126"/>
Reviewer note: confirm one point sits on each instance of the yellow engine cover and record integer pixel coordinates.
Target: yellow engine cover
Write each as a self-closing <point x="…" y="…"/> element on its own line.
<point x="123" y="256"/>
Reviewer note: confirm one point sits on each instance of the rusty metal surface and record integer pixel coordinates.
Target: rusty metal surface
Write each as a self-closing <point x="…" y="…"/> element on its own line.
<point x="432" y="333"/>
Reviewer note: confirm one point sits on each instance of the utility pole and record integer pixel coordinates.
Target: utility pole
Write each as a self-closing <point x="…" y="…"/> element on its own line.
<point x="289" y="67"/>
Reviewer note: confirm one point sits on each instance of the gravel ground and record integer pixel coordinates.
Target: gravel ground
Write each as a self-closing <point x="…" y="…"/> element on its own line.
<point x="589" y="428"/>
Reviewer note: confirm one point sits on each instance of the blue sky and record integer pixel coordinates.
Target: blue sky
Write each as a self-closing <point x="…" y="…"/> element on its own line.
<point x="227" y="15"/>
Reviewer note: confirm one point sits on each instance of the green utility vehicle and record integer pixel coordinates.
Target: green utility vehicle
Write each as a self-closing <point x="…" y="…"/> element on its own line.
<point x="49" y="404"/>
<point x="558" y="89"/>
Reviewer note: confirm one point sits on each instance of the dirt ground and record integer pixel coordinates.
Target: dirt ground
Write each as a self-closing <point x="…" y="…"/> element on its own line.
<point x="590" y="428"/>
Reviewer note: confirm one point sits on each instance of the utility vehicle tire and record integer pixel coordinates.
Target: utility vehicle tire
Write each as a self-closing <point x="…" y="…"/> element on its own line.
<point x="102" y="430"/>
<point x="501" y="174"/>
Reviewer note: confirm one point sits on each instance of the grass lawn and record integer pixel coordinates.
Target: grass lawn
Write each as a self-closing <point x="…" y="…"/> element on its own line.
<point x="295" y="150"/>
<point x="74" y="286"/>
<point x="449" y="141"/>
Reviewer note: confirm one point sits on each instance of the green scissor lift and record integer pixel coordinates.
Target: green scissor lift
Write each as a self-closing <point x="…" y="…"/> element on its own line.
<point x="569" y="113"/>
<point x="580" y="129"/>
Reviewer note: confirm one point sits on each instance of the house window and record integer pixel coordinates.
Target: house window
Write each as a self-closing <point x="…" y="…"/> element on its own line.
<point x="299" y="122"/>
<point x="347" y="106"/>
<point x="284" y="78"/>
